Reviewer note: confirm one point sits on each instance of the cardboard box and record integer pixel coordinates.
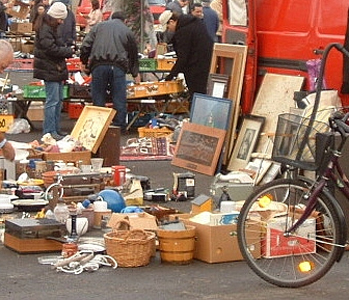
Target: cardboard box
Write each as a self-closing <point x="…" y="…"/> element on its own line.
<point x="215" y="244"/>
<point x="74" y="156"/>
<point x="23" y="27"/>
<point x="20" y="10"/>
<point x="303" y="243"/>
<point x="142" y="220"/>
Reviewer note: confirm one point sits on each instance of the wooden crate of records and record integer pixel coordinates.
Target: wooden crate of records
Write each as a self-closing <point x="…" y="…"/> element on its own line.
<point x="147" y="89"/>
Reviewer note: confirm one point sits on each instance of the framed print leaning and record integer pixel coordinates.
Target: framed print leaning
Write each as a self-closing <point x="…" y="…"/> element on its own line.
<point x="198" y="148"/>
<point x="92" y="126"/>
<point x="211" y="111"/>
<point x="246" y="142"/>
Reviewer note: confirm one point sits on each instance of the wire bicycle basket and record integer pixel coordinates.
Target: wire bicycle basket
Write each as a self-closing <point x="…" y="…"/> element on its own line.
<point x="295" y="141"/>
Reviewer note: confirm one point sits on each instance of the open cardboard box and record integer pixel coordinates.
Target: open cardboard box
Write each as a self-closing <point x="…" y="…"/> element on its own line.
<point x="218" y="243"/>
<point x="142" y="220"/>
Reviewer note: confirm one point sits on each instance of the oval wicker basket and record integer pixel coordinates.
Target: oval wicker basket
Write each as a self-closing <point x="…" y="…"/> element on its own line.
<point x="130" y="247"/>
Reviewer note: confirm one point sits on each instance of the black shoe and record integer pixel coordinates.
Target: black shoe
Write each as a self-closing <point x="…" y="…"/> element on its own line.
<point x="63" y="133"/>
<point x="57" y="137"/>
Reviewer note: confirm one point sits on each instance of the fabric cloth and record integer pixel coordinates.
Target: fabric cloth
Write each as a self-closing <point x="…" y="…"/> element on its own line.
<point x="194" y="51"/>
<point x="58" y="10"/>
<point x="174" y="6"/>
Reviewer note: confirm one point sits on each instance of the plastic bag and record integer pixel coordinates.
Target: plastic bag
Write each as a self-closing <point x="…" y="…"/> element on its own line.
<point x="19" y="126"/>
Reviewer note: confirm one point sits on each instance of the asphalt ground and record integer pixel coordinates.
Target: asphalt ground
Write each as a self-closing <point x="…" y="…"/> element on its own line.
<point x="22" y="277"/>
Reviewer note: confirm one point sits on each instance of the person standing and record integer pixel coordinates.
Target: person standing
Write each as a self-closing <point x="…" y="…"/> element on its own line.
<point x="211" y="20"/>
<point x="6" y="59"/>
<point x="216" y="5"/>
<point x="193" y="47"/>
<point x="197" y="10"/>
<point x="67" y="30"/>
<point x="49" y="65"/>
<point x="95" y="16"/>
<point x="4" y="5"/>
<point x="178" y="6"/>
<point x="110" y="51"/>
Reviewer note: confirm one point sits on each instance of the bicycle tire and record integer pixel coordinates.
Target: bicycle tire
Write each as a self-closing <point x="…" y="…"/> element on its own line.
<point x="297" y="260"/>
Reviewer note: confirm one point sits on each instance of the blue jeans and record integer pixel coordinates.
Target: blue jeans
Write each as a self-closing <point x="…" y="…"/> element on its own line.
<point x="53" y="106"/>
<point x="105" y="76"/>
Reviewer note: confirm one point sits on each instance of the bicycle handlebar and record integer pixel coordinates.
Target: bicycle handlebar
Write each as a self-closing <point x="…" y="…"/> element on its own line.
<point x="338" y="122"/>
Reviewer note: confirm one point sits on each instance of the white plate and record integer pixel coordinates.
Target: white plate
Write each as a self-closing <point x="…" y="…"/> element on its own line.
<point x="29" y="202"/>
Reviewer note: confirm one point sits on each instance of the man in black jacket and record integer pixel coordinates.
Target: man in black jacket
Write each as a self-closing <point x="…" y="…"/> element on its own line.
<point x="193" y="47"/>
<point x="110" y="51"/>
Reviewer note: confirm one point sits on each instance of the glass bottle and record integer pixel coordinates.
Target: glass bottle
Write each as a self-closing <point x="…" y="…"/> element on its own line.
<point x="61" y="211"/>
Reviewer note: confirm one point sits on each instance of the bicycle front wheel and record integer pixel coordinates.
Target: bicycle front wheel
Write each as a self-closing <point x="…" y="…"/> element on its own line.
<point x="300" y="257"/>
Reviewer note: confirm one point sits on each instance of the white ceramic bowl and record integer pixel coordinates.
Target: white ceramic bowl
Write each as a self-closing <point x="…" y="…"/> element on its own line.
<point x="81" y="225"/>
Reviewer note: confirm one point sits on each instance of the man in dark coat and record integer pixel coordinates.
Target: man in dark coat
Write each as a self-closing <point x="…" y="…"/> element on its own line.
<point x="193" y="47"/>
<point x="110" y="51"/>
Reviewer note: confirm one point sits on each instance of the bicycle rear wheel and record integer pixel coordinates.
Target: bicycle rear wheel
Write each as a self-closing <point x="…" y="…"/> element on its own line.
<point x="305" y="255"/>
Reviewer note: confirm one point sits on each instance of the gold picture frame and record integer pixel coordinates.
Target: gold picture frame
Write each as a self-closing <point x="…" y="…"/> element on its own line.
<point x="92" y="126"/>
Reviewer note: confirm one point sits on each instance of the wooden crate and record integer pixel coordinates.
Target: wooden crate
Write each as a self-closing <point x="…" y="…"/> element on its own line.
<point x="73" y="156"/>
<point x="166" y="64"/>
<point x="150" y="132"/>
<point x="148" y="89"/>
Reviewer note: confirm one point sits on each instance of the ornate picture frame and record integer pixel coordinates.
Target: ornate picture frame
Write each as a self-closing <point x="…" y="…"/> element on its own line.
<point x="246" y="142"/>
<point x="198" y="148"/>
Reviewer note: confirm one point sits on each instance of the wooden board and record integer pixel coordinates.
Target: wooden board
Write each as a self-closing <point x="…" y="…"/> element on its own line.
<point x="92" y="126"/>
<point x="275" y="96"/>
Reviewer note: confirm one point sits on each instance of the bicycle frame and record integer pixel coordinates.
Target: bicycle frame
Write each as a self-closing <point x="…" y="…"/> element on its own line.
<point x="340" y="181"/>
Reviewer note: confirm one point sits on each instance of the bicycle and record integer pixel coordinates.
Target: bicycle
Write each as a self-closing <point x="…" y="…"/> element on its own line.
<point x="295" y="223"/>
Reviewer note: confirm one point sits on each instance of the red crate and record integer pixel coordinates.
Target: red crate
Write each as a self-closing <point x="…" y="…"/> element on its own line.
<point x="21" y="65"/>
<point x="74" y="110"/>
<point x="73" y="64"/>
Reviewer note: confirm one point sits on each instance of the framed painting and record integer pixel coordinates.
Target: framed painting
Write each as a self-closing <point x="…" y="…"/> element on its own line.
<point x="211" y="111"/>
<point x="246" y="142"/>
<point x="218" y="85"/>
<point x="198" y="148"/>
<point x="92" y="126"/>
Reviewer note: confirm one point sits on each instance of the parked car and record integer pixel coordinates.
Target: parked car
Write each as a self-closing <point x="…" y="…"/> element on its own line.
<point x="156" y="8"/>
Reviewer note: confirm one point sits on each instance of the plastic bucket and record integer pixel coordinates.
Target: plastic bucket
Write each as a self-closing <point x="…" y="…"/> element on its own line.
<point x="119" y="174"/>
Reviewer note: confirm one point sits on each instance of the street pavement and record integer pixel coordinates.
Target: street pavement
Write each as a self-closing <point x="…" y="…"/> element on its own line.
<point x="22" y="277"/>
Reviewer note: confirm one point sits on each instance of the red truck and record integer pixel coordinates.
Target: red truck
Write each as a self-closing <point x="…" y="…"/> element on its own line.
<point x="283" y="35"/>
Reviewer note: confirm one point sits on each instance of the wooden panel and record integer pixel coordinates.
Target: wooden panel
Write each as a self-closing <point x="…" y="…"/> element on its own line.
<point x="110" y="147"/>
<point x="275" y="96"/>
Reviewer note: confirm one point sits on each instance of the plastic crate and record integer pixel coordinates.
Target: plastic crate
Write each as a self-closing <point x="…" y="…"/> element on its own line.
<point x="166" y="64"/>
<point x="80" y="91"/>
<point x="150" y="132"/>
<point x="38" y="91"/>
<point x="73" y="64"/>
<point x="147" y="64"/>
<point x="75" y="110"/>
<point x="21" y="65"/>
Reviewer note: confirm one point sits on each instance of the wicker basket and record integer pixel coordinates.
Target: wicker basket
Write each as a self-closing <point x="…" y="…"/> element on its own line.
<point x="130" y="247"/>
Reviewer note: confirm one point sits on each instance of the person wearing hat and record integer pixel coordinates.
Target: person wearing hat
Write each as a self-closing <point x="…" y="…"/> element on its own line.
<point x="193" y="47"/>
<point x="49" y="65"/>
<point x="68" y="29"/>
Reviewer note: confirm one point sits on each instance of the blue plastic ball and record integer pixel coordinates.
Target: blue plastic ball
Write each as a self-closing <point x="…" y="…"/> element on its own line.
<point x="114" y="199"/>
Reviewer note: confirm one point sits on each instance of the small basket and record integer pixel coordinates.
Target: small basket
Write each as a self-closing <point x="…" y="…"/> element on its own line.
<point x="295" y="141"/>
<point x="130" y="247"/>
